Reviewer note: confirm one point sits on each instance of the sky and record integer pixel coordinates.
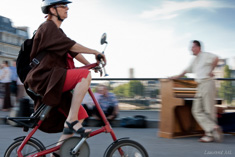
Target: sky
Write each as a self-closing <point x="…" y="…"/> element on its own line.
<point x="151" y="36"/>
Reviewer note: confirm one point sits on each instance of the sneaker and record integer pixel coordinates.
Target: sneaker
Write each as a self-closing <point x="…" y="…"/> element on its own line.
<point x="217" y="134"/>
<point x="206" y="139"/>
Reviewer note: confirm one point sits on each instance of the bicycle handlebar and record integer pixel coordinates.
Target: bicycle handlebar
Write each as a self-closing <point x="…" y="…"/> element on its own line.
<point x="99" y="57"/>
<point x="89" y="66"/>
<point x="95" y="65"/>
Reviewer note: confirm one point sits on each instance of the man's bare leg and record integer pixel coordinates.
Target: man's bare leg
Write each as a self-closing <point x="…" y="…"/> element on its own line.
<point x="80" y="91"/>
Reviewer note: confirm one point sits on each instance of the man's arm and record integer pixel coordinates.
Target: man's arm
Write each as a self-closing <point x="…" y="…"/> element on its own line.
<point x="189" y="69"/>
<point x="214" y="64"/>
<point x="116" y="110"/>
<point x="82" y="59"/>
<point x="114" y="114"/>
<point x="82" y="49"/>
<point x="179" y="76"/>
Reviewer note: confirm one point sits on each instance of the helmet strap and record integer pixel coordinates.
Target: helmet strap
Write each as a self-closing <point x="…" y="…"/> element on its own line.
<point x="58" y="16"/>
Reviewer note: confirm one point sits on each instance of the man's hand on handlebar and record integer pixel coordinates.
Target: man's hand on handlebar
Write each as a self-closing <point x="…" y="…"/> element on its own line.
<point x="101" y="58"/>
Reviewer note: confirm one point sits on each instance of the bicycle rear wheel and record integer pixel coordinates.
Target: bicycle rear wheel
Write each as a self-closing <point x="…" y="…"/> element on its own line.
<point x="30" y="147"/>
<point x="129" y="148"/>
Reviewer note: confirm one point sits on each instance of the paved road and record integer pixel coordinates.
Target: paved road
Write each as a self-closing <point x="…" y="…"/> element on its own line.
<point x="156" y="147"/>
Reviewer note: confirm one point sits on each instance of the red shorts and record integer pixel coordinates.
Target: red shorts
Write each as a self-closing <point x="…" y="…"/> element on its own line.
<point x="73" y="77"/>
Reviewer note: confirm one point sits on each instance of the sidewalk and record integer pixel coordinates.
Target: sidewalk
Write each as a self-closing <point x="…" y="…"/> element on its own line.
<point x="152" y="117"/>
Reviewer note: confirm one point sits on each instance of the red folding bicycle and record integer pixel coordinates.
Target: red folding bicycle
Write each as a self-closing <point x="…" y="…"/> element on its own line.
<point x="76" y="146"/>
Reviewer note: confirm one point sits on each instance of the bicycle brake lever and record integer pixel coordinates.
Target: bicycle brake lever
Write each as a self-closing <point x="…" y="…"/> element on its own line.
<point x="101" y="72"/>
<point x="103" y="66"/>
<point x="98" y="69"/>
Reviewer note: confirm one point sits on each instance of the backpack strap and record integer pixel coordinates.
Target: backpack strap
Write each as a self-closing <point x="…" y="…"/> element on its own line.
<point x="36" y="61"/>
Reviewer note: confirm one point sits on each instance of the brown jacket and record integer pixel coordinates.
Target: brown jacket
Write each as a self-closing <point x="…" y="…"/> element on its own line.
<point x="47" y="79"/>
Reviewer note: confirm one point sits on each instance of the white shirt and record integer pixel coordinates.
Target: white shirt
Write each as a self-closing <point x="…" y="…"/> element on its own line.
<point x="6" y="72"/>
<point x="88" y="100"/>
<point x="18" y="82"/>
<point x="202" y="65"/>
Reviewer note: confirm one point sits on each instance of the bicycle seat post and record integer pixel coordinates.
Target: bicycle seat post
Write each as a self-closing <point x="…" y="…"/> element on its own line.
<point x="45" y="112"/>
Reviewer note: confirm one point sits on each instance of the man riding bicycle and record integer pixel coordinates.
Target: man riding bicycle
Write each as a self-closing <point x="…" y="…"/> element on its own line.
<point x="55" y="76"/>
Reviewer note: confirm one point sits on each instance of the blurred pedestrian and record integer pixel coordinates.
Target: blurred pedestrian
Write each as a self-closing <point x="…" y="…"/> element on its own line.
<point x="108" y="104"/>
<point x="1" y="88"/>
<point x="13" y="85"/>
<point x="5" y="78"/>
<point x="203" y="109"/>
<point x="88" y="103"/>
<point x="14" y="77"/>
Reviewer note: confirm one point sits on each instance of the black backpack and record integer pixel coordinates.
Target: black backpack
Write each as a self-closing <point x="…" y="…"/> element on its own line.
<point x="23" y="63"/>
<point x="138" y="121"/>
<point x="23" y="59"/>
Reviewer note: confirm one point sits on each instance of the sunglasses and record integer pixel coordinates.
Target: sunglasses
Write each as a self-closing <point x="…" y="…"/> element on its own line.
<point x="61" y="6"/>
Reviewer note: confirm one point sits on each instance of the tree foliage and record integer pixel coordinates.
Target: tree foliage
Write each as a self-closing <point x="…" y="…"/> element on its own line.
<point x="130" y="89"/>
<point x="136" y="88"/>
<point x="122" y="90"/>
<point x="226" y="90"/>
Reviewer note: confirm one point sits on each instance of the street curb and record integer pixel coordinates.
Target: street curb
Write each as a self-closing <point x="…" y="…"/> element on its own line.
<point x="3" y="120"/>
<point x="93" y="122"/>
<point x="151" y="120"/>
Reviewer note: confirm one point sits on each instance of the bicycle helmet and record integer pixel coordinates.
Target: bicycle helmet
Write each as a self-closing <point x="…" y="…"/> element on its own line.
<point x="48" y="3"/>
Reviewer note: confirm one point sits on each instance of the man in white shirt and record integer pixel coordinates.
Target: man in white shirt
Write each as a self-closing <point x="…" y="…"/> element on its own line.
<point x="5" y="78"/>
<point x="203" y="109"/>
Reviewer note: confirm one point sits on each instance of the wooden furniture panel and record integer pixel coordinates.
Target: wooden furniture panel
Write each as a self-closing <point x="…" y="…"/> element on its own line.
<point x="176" y="118"/>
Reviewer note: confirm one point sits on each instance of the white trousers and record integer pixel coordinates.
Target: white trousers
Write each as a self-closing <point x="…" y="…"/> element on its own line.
<point x="203" y="109"/>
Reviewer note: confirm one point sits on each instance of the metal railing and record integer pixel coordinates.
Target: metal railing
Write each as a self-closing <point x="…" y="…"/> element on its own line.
<point x="144" y="93"/>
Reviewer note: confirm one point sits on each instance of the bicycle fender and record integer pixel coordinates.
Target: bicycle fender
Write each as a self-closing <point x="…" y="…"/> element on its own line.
<point x="118" y="140"/>
<point x="31" y="139"/>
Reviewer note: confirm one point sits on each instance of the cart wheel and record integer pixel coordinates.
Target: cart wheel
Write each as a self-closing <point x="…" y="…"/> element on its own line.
<point x="70" y="143"/>
<point x="126" y="148"/>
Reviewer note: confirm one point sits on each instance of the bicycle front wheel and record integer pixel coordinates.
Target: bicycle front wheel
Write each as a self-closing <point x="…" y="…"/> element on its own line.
<point x="126" y="148"/>
<point x="30" y="147"/>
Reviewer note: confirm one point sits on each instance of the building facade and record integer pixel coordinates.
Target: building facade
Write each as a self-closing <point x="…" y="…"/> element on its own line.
<point x="11" y="39"/>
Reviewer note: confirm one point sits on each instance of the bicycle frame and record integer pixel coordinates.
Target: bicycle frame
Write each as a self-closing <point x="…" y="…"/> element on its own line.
<point x="105" y="129"/>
